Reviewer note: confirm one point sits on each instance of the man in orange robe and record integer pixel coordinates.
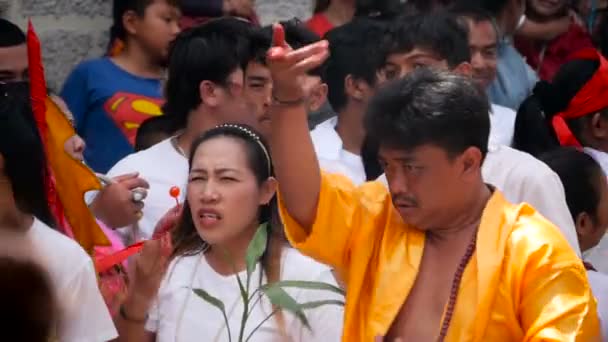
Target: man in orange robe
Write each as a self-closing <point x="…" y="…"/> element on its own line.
<point x="441" y="256"/>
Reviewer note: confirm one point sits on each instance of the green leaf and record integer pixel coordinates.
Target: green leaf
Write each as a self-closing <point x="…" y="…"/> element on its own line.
<point x="309" y="285"/>
<point x="283" y="300"/>
<point x="319" y="303"/>
<point x="217" y="303"/>
<point x="256" y="248"/>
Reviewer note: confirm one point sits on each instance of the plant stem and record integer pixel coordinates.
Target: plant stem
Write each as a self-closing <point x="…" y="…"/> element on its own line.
<point x="227" y="326"/>
<point x="261" y="323"/>
<point x="257" y="300"/>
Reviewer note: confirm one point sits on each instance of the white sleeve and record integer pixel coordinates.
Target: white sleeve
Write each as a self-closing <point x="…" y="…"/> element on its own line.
<point x="84" y="314"/>
<point x="545" y="192"/>
<point x="326" y="321"/>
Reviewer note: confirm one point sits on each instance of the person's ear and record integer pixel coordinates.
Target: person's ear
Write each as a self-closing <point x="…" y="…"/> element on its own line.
<point x="464" y="69"/>
<point x="268" y="190"/>
<point x="130" y="21"/>
<point x="209" y="93"/>
<point x="471" y="160"/>
<point x="318" y="97"/>
<point x="599" y="126"/>
<point x="355" y="88"/>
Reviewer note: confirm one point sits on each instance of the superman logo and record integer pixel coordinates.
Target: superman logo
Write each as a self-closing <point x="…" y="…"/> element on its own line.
<point x="129" y="110"/>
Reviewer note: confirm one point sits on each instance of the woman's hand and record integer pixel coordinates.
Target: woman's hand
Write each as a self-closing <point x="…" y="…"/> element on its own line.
<point x="147" y="271"/>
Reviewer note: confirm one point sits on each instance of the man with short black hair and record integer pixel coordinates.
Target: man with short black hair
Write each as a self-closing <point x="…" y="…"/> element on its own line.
<point x="441" y="255"/>
<point x="351" y="73"/>
<point x="515" y="79"/>
<point x="204" y="89"/>
<point x="438" y="41"/>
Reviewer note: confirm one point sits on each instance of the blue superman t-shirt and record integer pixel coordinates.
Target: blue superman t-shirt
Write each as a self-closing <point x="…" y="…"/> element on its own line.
<point x="109" y="104"/>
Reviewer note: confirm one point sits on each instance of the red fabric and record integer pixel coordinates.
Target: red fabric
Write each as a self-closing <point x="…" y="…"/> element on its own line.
<point x="557" y="51"/>
<point x="590" y="99"/>
<point x="38" y="95"/>
<point x="319" y="24"/>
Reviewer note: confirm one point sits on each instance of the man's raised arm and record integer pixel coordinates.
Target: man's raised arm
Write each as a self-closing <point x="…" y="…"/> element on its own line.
<point x="296" y="164"/>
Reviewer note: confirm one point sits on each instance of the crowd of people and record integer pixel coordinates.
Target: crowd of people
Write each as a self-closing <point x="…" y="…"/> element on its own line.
<point x="384" y="171"/>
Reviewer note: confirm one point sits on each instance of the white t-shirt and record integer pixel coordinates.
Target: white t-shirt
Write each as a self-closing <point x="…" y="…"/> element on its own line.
<point x="163" y="167"/>
<point x="599" y="286"/>
<point x="523" y="178"/>
<point x="502" y="125"/>
<point x="332" y="157"/>
<point x="83" y="314"/>
<point x="180" y="315"/>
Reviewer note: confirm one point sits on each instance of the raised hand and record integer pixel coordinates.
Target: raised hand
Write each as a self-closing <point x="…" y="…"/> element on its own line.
<point x="287" y="66"/>
<point x="146" y="273"/>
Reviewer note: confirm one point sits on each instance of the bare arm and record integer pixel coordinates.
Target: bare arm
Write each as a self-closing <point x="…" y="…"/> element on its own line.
<point x="296" y="164"/>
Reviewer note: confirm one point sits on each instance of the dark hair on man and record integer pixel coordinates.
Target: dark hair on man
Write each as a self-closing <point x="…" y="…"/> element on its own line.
<point x="120" y="7"/>
<point x="22" y="152"/>
<point x="355" y="49"/>
<point x="297" y="35"/>
<point x="11" y="35"/>
<point x="152" y="131"/>
<point x="476" y="14"/>
<point x="438" y="33"/>
<point x="379" y="9"/>
<point x="579" y="174"/>
<point x="208" y="52"/>
<point x="493" y="7"/>
<point x="321" y="6"/>
<point x="533" y="128"/>
<point x="29" y="307"/>
<point x="430" y="107"/>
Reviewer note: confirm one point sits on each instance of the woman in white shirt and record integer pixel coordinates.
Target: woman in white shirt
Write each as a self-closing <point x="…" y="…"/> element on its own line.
<point x="230" y="192"/>
<point x="586" y="190"/>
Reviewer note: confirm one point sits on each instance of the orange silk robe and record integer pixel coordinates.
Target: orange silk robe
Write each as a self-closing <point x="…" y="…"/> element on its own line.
<point x="524" y="283"/>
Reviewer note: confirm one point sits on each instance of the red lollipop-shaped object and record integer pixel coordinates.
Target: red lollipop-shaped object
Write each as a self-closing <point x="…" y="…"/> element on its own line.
<point x="174" y="192"/>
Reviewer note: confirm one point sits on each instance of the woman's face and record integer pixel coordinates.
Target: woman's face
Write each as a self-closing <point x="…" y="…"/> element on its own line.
<point x="223" y="192"/>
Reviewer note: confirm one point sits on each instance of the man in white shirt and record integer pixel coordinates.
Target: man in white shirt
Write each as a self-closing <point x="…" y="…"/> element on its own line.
<point x="521" y="177"/>
<point x="483" y="43"/>
<point x="82" y="314"/>
<point x="351" y="74"/>
<point x="204" y="89"/>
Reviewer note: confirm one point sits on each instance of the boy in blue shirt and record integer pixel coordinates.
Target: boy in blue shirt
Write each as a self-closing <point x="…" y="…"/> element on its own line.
<point x="111" y="96"/>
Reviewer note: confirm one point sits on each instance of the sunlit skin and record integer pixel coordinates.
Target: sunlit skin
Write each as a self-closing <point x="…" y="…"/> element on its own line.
<point x="483" y="40"/>
<point x="224" y="194"/>
<point x="13" y="64"/>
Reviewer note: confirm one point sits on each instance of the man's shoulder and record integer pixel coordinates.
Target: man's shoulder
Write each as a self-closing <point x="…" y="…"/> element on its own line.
<point x="511" y="161"/>
<point x="148" y="159"/>
<point x="533" y="236"/>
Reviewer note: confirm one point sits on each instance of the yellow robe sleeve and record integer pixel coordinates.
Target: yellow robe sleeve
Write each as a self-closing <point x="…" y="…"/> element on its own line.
<point x="338" y="220"/>
<point x="556" y="303"/>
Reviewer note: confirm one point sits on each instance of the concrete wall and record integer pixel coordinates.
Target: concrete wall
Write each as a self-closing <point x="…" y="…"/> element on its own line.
<point x="73" y="30"/>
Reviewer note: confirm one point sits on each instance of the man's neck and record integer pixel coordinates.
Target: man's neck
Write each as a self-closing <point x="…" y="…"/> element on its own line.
<point x="463" y="225"/>
<point x="339" y="12"/>
<point x="199" y="122"/>
<point x="134" y="60"/>
<point x="350" y="129"/>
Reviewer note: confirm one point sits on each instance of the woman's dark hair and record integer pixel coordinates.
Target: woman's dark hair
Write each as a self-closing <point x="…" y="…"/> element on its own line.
<point x="579" y="174"/>
<point x="210" y="52"/>
<point x="533" y="129"/>
<point x="321" y="6"/>
<point x="22" y="152"/>
<point x="28" y="304"/>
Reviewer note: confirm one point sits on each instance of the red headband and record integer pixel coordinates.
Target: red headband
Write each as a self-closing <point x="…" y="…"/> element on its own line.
<point x="592" y="98"/>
